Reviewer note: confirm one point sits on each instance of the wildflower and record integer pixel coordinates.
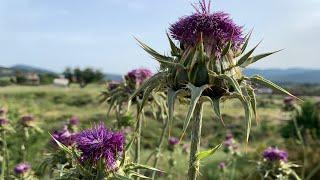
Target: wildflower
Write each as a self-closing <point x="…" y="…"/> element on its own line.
<point x="222" y="166"/>
<point x="217" y="29"/>
<point x="139" y="75"/>
<point x="3" y="121"/>
<point x="274" y="154"/>
<point x="27" y="120"/>
<point x="21" y="168"/>
<point x="173" y="141"/>
<point x="113" y="85"/>
<point x="73" y="121"/>
<point x="288" y="100"/>
<point x="64" y="136"/>
<point x="100" y="143"/>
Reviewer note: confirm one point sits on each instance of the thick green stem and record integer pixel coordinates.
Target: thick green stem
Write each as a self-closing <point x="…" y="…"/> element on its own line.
<point x="158" y="151"/>
<point x="195" y="142"/>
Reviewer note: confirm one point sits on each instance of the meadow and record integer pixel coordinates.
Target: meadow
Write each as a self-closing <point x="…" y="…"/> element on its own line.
<point x="52" y="106"/>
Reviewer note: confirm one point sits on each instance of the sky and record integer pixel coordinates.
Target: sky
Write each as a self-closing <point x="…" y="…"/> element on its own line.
<point x="54" y="34"/>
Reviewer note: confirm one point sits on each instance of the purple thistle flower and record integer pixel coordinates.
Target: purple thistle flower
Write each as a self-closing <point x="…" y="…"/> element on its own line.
<point x="288" y="100"/>
<point x="222" y="165"/>
<point x="74" y="121"/>
<point x="139" y="75"/>
<point x="100" y="143"/>
<point x="113" y="85"/>
<point x="275" y="154"/>
<point x="3" y="121"/>
<point x="173" y="141"/>
<point x="26" y="120"/>
<point x="64" y="136"/>
<point x="217" y="30"/>
<point x="21" y="168"/>
<point x="2" y="112"/>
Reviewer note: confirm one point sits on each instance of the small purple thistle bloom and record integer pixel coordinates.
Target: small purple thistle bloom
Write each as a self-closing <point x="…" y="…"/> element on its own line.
<point x="173" y="141"/>
<point x="64" y="136"/>
<point x="217" y="29"/>
<point x="288" y="100"/>
<point x="73" y="121"/>
<point x="222" y="165"/>
<point x="26" y="120"/>
<point x="21" y="168"/>
<point x="100" y="143"/>
<point x="113" y="85"/>
<point x="139" y="75"/>
<point x="3" y="121"/>
<point x="275" y="154"/>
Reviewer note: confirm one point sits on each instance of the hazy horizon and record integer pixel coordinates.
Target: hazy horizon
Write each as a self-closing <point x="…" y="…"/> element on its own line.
<point x="99" y="33"/>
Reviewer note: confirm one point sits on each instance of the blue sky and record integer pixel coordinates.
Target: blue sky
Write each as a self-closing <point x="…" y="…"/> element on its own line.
<point x="99" y="33"/>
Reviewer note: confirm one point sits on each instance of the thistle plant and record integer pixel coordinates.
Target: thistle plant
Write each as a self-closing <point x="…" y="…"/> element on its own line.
<point x="99" y="153"/>
<point x="119" y="94"/>
<point x="206" y="66"/>
<point x="23" y="171"/>
<point x="275" y="165"/>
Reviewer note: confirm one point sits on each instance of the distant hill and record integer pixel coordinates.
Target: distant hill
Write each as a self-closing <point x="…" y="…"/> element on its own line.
<point x="113" y="77"/>
<point x="287" y="76"/>
<point x="31" y="69"/>
<point x="283" y="76"/>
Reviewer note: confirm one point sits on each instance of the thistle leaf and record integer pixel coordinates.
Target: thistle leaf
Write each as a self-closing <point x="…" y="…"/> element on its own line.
<point x="146" y="167"/>
<point x="256" y="58"/>
<point x="171" y="100"/>
<point x="195" y="96"/>
<point x="155" y="79"/>
<point x="216" y="107"/>
<point x="247" y="38"/>
<point x="234" y="83"/>
<point x="265" y="82"/>
<point x="204" y="154"/>
<point x="245" y="57"/>
<point x="174" y="49"/>
<point x="62" y="146"/>
<point x="253" y="100"/>
<point x="226" y="49"/>
<point x="163" y="60"/>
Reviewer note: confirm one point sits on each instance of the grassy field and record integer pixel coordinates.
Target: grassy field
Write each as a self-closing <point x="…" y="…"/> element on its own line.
<point x="52" y="106"/>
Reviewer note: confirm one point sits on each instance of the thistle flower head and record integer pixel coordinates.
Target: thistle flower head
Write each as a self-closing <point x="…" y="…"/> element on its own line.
<point x="113" y="85"/>
<point x="99" y="143"/>
<point x="27" y="120"/>
<point x="21" y="168"/>
<point x="64" y="136"/>
<point x="222" y="165"/>
<point x="216" y="29"/>
<point x="173" y="141"/>
<point x="274" y="154"/>
<point x="137" y="76"/>
<point x="74" y="121"/>
<point x="3" y="121"/>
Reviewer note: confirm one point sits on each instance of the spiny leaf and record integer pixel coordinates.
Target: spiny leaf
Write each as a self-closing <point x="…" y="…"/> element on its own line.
<point x="155" y="79"/>
<point x="265" y="82"/>
<point x="256" y="58"/>
<point x="247" y="38"/>
<point x="140" y="166"/>
<point x="62" y="146"/>
<point x="170" y="101"/>
<point x="174" y="49"/>
<point x="245" y="57"/>
<point x="253" y="101"/>
<point x="153" y="53"/>
<point x="216" y="107"/>
<point x="226" y="49"/>
<point x="232" y="82"/>
<point x="139" y="175"/>
<point x="205" y="154"/>
<point x="195" y="96"/>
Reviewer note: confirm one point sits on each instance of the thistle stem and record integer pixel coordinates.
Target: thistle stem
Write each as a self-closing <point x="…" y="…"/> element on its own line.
<point x="195" y="142"/>
<point x="138" y="140"/>
<point x="158" y="151"/>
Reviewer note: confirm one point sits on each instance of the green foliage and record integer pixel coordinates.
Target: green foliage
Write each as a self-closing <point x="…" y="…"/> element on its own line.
<point x="308" y="121"/>
<point x="83" y="76"/>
